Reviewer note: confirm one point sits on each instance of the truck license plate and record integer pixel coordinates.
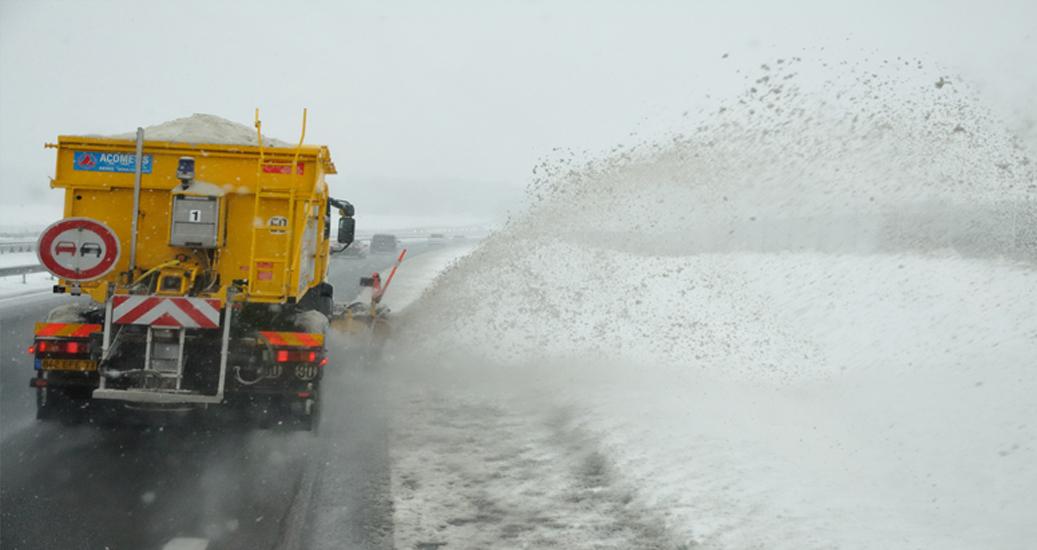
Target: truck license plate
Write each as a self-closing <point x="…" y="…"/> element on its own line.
<point x="69" y="364"/>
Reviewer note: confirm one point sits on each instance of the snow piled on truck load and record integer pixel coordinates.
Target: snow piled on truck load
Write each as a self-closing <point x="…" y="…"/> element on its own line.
<point x="201" y="128"/>
<point x="618" y="358"/>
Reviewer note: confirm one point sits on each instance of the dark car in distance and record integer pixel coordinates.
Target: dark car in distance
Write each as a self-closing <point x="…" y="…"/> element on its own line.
<point x="383" y="244"/>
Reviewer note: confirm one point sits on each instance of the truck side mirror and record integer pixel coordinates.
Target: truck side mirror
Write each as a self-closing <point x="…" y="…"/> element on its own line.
<point x="346" y="230"/>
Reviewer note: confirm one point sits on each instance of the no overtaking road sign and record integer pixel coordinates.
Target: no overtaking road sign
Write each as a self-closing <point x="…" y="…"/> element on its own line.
<point x="78" y="249"/>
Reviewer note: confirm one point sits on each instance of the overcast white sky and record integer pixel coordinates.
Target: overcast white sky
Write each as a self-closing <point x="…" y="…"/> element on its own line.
<point x="438" y="110"/>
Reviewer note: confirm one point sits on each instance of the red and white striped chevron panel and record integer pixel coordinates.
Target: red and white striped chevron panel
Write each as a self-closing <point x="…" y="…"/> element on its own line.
<point x="158" y="311"/>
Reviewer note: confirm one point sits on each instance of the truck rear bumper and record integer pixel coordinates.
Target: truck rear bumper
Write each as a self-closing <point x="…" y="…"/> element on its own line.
<point x="165" y="397"/>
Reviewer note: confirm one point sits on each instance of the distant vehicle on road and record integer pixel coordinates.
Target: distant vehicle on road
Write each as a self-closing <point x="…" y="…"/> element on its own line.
<point x="459" y="237"/>
<point x="384" y="244"/>
<point x="436" y="239"/>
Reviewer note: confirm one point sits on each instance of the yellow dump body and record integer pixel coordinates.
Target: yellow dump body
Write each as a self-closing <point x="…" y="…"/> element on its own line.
<point x="272" y="222"/>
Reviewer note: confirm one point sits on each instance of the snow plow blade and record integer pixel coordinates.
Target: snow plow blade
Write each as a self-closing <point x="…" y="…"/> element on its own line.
<point x="359" y="319"/>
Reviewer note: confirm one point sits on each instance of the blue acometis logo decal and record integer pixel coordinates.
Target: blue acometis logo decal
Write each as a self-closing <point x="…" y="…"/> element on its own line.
<point x="95" y="161"/>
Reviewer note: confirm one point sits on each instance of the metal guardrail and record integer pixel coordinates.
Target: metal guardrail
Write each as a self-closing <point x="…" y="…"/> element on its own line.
<point x="474" y="231"/>
<point x="17" y="246"/>
<point x="22" y="270"/>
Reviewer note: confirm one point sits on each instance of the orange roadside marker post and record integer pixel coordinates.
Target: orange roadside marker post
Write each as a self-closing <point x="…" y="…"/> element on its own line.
<point x="379" y="291"/>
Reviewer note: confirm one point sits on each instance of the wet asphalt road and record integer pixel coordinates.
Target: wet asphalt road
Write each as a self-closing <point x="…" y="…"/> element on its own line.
<point x="172" y="486"/>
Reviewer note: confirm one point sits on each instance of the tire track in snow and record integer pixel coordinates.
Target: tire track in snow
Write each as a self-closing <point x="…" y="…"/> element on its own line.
<point x="599" y="484"/>
<point x="344" y="499"/>
<point x="475" y="472"/>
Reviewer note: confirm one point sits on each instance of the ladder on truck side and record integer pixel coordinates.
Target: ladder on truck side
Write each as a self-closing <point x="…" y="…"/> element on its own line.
<point x="263" y="268"/>
<point x="166" y="321"/>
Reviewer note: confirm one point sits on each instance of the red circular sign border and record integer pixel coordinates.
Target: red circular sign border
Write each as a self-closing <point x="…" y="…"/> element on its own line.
<point x="107" y="235"/>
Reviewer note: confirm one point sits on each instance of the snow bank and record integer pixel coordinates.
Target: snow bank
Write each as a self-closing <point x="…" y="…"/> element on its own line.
<point x="919" y="438"/>
<point x="785" y="401"/>
<point x="17" y="259"/>
<point x="34" y="283"/>
<point x="31" y="283"/>
<point x="203" y="128"/>
<point x="415" y="274"/>
<point x="590" y="360"/>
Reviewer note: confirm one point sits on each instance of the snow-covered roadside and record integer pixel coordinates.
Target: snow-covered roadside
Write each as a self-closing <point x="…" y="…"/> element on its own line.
<point x="14" y="285"/>
<point x="14" y="259"/>
<point x="483" y="460"/>
<point x="742" y="401"/>
<point x="34" y="283"/>
<point x="591" y="377"/>
<point x="415" y="274"/>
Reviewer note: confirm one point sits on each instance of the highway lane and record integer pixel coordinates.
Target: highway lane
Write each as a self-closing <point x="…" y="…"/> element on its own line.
<point x="17" y="316"/>
<point x="139" y="488"/>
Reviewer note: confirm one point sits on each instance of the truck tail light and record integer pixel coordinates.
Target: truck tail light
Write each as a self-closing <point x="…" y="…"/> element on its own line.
<point x="66" y="347"/>
<point x="296" y="356"/>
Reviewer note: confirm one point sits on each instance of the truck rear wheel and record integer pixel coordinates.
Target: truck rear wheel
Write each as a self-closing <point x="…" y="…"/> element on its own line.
<point x="301" y="414"/>
<point x="286" y="414"/>
<point x="57" y="405"/>
<point x="47" y="404"/>
<point x="309" y="420"/>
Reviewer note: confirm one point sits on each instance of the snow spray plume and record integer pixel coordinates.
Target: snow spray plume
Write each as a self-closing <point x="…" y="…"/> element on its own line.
<point x="876" y="157"/>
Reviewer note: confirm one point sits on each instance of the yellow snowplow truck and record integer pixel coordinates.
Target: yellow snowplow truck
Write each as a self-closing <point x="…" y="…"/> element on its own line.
<point x="206" y="267"/>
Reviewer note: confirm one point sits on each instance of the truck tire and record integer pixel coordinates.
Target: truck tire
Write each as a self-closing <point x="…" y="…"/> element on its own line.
<point x="48" y="404"/>
<point x="309" y="422"/>
<point x="295" y="416"/>
<point x="57" y="405"/>
<point x="266" y="413"/>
